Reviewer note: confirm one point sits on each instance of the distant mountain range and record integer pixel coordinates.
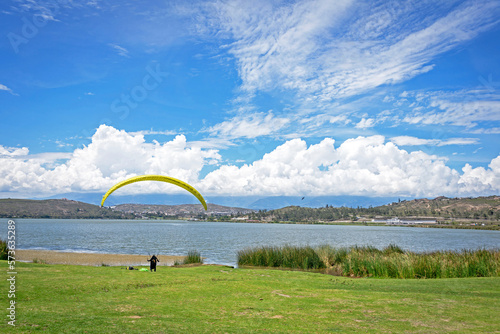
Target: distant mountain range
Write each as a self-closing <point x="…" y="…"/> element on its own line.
<point x="249" y="202"/>
<point x="277" y="202"/>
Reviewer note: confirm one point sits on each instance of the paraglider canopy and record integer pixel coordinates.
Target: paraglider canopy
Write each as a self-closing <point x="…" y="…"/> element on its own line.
<point x="162" y="178"/>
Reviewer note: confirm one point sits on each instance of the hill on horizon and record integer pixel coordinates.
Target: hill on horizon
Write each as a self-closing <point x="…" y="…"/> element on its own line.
<point x="70" y="209"/>
<point x="477" y="208"/>
<point x="249" y="202"/>
<point x="56" y="208"/>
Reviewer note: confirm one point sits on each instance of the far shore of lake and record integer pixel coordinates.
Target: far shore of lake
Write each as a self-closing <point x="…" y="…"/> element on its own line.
<point x="465" y="224"/>
<point x="458" y="224"/>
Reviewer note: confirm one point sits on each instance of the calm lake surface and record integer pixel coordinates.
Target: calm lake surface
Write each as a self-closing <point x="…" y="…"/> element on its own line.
<point x="220" y="242"/>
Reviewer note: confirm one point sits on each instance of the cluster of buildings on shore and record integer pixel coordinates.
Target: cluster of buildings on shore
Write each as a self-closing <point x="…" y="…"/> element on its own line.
<point x="405" y="221"/>
<point x="186" y="210"/>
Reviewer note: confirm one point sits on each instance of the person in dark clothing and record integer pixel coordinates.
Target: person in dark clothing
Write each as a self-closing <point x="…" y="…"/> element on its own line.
<point x="153" y="260"/>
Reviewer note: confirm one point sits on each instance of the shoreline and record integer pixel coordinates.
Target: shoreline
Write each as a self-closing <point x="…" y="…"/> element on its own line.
<point x="465" y="224"/>
<point x="91" y="259"/>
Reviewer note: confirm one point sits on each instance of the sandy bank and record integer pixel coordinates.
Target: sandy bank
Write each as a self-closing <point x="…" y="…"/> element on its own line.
<point x="92" y="259"/>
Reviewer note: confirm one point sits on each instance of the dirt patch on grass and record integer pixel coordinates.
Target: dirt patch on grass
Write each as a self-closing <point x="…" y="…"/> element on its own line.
<point x="280" y="294"/>
<point x="91" y="259"/>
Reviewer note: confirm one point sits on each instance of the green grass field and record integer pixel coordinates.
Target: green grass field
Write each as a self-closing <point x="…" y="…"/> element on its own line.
<point x="215" y="299"/>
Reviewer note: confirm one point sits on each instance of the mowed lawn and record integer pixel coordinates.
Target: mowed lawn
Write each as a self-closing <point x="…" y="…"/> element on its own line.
<point x="216" y="299"/>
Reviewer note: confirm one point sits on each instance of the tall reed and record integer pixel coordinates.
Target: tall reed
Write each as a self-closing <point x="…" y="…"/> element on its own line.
<point x="4" y="250"/>
<point x="442" y="264"/>
<point x="193" y="256"/>
<point x="282" y="257"/>
<point x="367" y="261"/>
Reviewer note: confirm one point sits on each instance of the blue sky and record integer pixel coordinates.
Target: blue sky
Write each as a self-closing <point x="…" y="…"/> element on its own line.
<point x="373" y="98"/>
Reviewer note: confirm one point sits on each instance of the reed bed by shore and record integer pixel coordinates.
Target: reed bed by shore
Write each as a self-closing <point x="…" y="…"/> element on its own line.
<point x="281" y="257"/>
<point x="366" y="261"/>
<point x="193" y="257"/>
<point x="3" y="250"/>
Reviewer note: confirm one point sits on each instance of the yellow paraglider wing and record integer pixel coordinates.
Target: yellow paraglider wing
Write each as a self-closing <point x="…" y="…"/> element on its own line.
<point x="162" y="178"/>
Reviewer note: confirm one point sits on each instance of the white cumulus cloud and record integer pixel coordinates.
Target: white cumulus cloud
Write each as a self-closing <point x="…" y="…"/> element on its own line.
<point x="13" y="151"/>
<point x="111" y="156"/>
<point x="482" y="180"/>
<point x="368" y="166"/>
<point x="359" y="166"/>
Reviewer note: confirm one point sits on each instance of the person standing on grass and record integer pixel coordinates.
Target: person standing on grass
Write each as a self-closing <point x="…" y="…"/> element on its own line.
<point x="153" y="260"/>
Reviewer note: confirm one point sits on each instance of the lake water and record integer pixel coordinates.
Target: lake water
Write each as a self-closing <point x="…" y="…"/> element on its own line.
<point x="220" y="242"/>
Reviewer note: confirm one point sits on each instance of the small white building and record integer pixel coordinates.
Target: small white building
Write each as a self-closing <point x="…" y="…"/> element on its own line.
<point x="409" y="221"/>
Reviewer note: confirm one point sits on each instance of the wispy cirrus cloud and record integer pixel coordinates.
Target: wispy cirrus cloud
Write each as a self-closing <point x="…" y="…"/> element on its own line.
<point x="460" y="113"/>
<point x="154" y="132"/>
<point x="49" y="7"/>
<point x="414" y="141"/>
<point x="248" y="126"/>
<point x="489" y="131"/>
<point x="465" y="108"/>
<point x="365" y="123"/>
<point x="120" y="50"/>
<point x="7" y="89"/>
<point x="325" y="56"/>
<point x="324" y="50"/>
